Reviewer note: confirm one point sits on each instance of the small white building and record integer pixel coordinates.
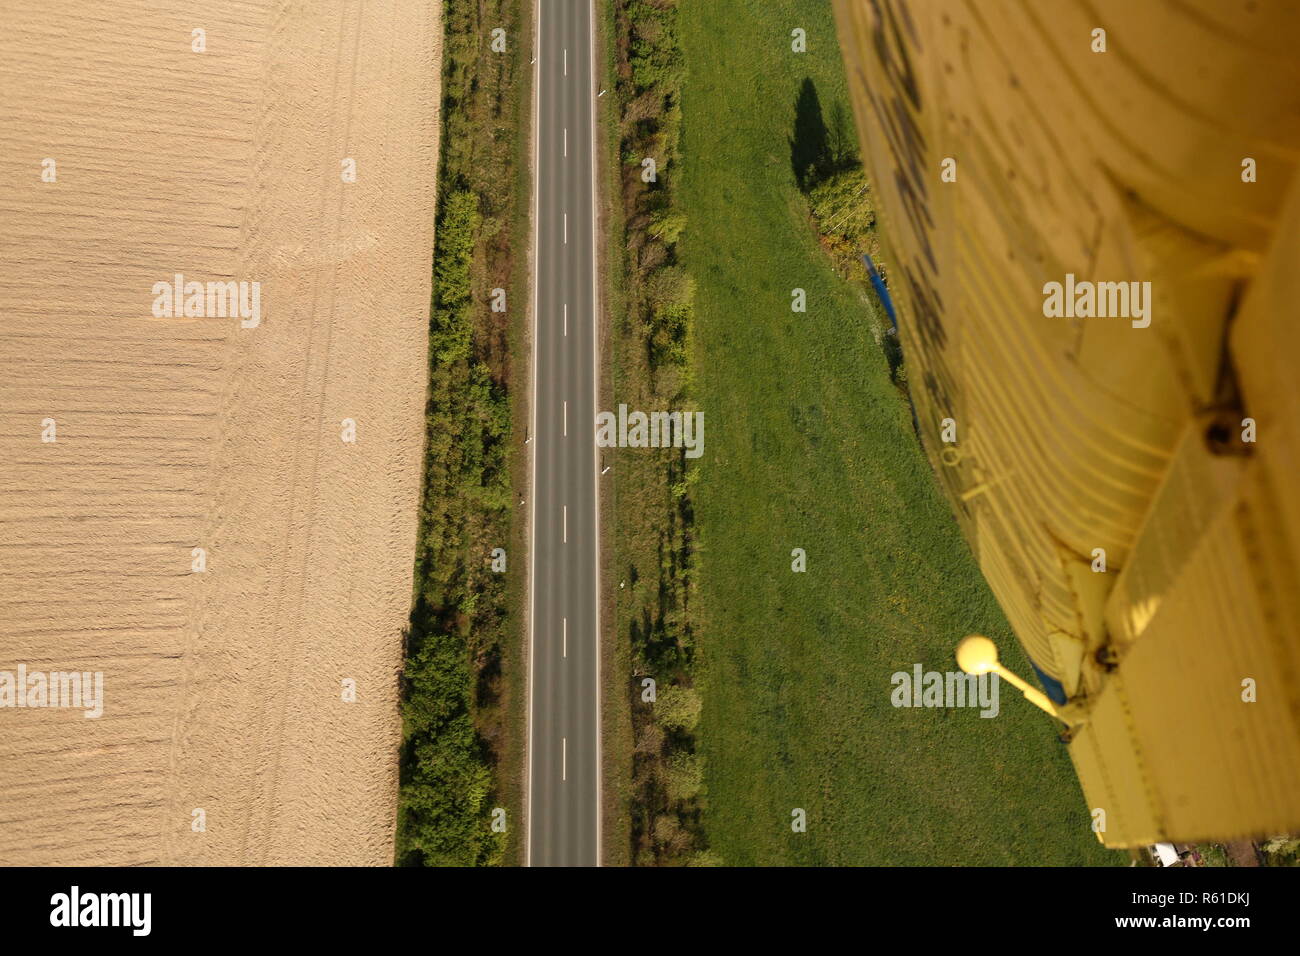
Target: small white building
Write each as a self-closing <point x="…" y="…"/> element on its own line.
<point x="1165" y="854"/>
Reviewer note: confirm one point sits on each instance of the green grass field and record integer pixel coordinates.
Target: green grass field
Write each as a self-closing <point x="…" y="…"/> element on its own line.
<point x="808" y="445"/>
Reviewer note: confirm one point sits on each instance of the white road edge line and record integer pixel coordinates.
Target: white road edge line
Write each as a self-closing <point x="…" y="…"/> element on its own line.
<point x="595" y="404"/>
<point x="532" y="509"/>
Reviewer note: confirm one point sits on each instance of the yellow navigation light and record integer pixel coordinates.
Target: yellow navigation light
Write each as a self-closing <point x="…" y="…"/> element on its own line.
<point x="977" y="654"/>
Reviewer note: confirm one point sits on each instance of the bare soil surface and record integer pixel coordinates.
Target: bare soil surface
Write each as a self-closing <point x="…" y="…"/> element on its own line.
<point x="223" y="690"/>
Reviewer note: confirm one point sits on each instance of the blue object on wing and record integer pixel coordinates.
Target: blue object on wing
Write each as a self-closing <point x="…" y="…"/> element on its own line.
<point x="879" y="285"/>
<point x="1055" y="689"/>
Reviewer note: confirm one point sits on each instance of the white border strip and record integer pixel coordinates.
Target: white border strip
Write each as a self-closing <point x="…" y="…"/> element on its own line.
<point x="595" y="394"/>
<point x="532" y="455"/>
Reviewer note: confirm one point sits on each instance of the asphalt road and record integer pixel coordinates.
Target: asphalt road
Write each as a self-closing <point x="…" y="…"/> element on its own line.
<point x="564" y="663"/>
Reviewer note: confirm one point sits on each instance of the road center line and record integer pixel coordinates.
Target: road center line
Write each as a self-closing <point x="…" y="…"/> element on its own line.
<point x="565" y="519"/>
<point x="566" y="61"/>
<point x="566" y="141"/>
<point x="566" y="228"/>
<point x="566" y="418"/>
<point x="566" y="318"/>
<point x="566" y="636"/>
<point x="564" y="758"/>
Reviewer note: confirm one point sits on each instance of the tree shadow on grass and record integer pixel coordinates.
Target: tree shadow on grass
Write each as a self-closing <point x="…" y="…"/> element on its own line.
<point x="810" y="148"/>
<point x="816" y="149"/>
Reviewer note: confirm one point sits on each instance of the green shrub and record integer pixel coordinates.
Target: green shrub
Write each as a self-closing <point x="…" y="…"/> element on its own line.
<point x="678" y="708"/>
